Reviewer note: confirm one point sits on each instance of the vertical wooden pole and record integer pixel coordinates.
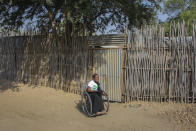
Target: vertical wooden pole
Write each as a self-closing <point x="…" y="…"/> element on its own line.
<point x="93" y="66"/>
<point x="194" y="65"/>
<point x="125" y="66"/>
<point x="123" y="76"/>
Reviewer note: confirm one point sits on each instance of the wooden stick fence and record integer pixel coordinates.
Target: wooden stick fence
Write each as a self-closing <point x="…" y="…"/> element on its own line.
<point x="37" y="59"/>
<point x="156" y="68"/>
<point x="160" y="70"/>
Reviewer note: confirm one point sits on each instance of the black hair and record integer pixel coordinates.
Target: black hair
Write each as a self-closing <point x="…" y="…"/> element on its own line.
<point x="94" y="75"/>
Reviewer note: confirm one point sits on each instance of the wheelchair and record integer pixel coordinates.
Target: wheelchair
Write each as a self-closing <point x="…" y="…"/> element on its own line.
<point x="87" y="103"/>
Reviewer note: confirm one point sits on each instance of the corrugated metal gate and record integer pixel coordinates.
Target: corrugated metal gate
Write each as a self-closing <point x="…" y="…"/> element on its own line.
<point x="108" y="64"/>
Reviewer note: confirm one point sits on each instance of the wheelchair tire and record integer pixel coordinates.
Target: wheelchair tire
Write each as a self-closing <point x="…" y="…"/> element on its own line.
<point x="87" y="103"/>
<point x="106" y="104"/>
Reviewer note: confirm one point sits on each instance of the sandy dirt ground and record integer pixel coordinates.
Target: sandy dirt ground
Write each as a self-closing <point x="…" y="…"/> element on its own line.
<point x="35" y="108"/>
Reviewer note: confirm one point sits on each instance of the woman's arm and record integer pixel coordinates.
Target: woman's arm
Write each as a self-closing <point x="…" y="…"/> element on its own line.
<point x="101" y="91"/>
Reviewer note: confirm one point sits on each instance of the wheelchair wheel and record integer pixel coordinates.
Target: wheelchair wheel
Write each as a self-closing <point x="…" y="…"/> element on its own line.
<point x="106" y="103"/>
<point x="87" y="104"/>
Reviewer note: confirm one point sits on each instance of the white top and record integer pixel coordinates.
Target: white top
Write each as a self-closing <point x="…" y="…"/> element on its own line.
<point x="93" y="85"/>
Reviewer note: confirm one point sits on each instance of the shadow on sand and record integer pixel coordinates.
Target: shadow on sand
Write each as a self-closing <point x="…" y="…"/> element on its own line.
<point x="79" y="107"/>
<point x="7" y="84"/>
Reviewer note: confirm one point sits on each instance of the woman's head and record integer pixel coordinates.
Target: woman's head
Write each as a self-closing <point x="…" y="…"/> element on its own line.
<point x="95" y="77"/>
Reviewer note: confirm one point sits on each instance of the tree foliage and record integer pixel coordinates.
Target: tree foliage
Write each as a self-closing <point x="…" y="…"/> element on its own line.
<point x="181" y="10"/>
<point x="72" y="16"/>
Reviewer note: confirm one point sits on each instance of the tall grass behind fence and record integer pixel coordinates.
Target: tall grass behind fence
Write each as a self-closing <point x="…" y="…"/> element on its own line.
<point x="40" y="60"/>
<point x="160" y="68"/>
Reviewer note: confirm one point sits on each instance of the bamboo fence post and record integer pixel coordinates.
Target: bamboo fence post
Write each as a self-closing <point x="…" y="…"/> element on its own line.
<point x="194" y="64"/>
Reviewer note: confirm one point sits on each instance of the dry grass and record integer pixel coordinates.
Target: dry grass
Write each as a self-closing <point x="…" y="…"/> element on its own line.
<point x="184" y="115"/>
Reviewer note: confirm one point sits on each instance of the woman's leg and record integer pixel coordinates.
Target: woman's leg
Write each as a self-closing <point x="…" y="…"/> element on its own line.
<point x="95" y="107"/>
<point x="101" y="105"/>
<point x="97" y="103"/>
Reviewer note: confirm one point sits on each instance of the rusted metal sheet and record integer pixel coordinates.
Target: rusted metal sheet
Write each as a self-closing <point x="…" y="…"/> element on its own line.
<point x="111" y="39"/>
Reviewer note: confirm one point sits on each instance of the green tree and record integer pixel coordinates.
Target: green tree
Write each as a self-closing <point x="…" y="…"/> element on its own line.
<point x="180" y="10"/>
<point x="72" y="16"/>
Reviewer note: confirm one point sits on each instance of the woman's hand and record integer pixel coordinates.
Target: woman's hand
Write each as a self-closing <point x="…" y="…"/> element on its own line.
<point x="105" y="94"/>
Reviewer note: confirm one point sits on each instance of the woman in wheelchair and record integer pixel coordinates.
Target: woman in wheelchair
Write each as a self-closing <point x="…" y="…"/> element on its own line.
<point x="96" y="93"/>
